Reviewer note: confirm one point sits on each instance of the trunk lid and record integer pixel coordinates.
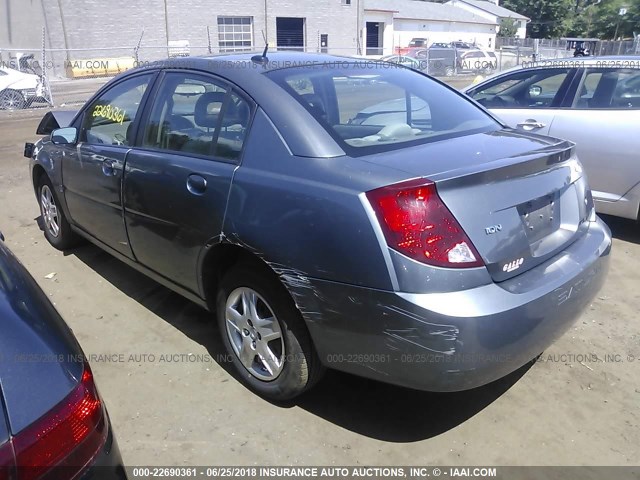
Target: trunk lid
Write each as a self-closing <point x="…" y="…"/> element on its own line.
<point x="520" y="198"/>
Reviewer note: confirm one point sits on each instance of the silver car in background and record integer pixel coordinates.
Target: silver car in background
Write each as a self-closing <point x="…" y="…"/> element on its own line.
<point x="594" y="102"/>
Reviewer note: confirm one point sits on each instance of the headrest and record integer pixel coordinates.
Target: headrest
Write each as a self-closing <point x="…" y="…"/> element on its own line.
<point x="236" y="114"/>
<point x="206" y="113"/>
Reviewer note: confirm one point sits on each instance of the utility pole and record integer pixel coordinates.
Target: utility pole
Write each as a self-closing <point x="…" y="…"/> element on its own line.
<point x="621" y="13"/>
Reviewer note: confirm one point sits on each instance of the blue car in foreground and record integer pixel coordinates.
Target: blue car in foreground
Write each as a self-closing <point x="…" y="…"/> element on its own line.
<point x="53" y="422"/>
<point x="330" y="212"/>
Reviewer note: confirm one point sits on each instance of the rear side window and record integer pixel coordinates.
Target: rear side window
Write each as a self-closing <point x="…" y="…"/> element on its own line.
<point x="609" y="89"/>
<point x="197" y="115"/>
<point x="381" y="107"/>
<point x="109" y="119"/>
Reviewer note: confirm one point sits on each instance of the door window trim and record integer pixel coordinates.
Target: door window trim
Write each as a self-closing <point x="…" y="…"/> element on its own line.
<point x="79" y="120"/>
<point x="581" y="78"/>
<point x="559" y="102"/>
<point x="224" y="83"/>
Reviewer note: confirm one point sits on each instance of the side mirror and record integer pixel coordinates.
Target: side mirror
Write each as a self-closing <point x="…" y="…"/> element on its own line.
<point x="64" y="136"/>
<point x="535" y="90"/>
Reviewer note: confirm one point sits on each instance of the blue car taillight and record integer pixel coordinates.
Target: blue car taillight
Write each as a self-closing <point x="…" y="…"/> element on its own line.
<point x="418" y="224"/>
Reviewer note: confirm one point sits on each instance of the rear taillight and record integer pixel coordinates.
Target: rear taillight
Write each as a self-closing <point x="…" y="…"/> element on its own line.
<point x="416" y="223"/>
<point x="68" y="437"/>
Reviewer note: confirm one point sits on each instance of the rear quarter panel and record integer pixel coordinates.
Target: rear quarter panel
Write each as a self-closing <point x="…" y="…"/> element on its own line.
<point x="303" y="216"/>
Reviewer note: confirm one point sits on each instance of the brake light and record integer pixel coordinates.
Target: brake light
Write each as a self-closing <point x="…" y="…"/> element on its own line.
<point x="67" y="437"/>
<point x="418" y="224"/>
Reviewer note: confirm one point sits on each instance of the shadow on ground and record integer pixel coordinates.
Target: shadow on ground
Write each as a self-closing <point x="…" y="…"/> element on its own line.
<point x="370" y="408"/>
<point x="623" y="229"/>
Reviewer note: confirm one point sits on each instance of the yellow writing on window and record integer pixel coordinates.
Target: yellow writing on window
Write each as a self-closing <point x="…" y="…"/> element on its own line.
<point x="115" y="114"/>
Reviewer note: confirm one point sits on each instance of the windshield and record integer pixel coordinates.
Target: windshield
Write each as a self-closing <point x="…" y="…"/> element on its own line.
<point x="377" y="106"/>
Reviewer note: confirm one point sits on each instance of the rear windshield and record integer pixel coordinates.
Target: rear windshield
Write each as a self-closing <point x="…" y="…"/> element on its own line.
<point x="374" y="106"/>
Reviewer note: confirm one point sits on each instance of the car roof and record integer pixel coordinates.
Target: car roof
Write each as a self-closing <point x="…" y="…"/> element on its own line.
<point x="235" y="61"/>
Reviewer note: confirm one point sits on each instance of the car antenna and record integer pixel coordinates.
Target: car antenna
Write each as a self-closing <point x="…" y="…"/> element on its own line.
<point x="262" y="59"/>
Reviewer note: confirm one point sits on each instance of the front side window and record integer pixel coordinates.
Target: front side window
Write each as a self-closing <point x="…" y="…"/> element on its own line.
<point x="109" y="119"/>
<point x="540" y="88"/>
<point x="609" y="89"/>
<point x="197" y="115"/>
<point x="378" y="107"/>
<point x="235" y="34"/>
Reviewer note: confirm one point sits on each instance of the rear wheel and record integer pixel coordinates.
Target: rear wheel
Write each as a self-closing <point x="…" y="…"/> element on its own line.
<point x="265" y="334"/>
<point x="57" y="230"/>
<point x="11" y="100"/>
<point x="448" y="72"/>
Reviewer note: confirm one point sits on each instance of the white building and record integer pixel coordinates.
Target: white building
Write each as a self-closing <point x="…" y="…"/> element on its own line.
<point x="492" y="11"/>
<point x="393" y="23"/>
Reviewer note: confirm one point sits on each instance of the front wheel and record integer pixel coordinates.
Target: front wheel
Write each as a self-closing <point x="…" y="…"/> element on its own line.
<point x="265" y="334"/>
<point x="11" y="100"/>
<point x="57" y="230"/>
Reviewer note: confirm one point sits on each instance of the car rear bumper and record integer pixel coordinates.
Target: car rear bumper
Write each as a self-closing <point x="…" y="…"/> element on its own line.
<point x="459" y="340"/>
<point x="107" y="464"/>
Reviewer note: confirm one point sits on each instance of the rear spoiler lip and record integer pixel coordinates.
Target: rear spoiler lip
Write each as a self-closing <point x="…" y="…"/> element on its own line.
<point x="55" y="119"/>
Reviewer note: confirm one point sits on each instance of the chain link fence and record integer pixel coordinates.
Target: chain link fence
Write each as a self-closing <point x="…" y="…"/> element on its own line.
<point x="44" y="78"/>
<point x="559" y="48"/>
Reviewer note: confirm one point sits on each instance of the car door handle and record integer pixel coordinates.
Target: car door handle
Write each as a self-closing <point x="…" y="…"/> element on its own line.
<point x="196" y="184"/>
<point x="531" y="124"/>
<point x="109" y="168"/>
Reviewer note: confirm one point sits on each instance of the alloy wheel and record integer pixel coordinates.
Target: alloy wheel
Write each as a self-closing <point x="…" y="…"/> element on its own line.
<point x="49" y="211"/>
<point x="255" y="334"/>
<point x="11" y="100"/>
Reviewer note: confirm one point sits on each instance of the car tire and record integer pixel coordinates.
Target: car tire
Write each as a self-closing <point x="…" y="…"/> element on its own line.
<point x="11" y="100"/>
<point x="448" y="72"/>
<point x="56" y="228"/>
<point x="277" y="369"/>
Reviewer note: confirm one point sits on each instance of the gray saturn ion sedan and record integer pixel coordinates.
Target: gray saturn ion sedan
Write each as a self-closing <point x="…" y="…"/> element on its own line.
<point x="331" y="212"/>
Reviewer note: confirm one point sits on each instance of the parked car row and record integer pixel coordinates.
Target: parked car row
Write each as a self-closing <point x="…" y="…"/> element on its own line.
<point x="424" y="43"/>
<point x="447" y="61"/>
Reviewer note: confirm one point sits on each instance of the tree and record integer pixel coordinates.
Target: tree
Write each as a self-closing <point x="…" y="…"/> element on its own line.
<point x="508" y="28"/>
<point x="602" y="19"/>
<point x="549" y="18"/>
<point x="607" y="22"/>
